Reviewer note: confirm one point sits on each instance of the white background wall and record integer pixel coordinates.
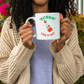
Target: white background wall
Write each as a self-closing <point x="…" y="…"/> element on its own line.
<point x="80" y="6"/>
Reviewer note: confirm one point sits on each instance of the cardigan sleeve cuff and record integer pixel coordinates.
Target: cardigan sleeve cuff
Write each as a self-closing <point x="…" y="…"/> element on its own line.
<point x="22" y="54"/>
<point x="63" y="56"/>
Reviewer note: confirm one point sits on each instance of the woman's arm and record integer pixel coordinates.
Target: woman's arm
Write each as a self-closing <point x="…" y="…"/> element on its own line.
<point x="69" y="61"/>
<point x="12" y="59"/>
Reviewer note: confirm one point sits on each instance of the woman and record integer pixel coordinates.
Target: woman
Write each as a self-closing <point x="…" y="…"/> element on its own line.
<point x="25" y="60"/>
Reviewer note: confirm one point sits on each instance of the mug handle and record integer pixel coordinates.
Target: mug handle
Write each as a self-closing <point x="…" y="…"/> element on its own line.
<point x="28" y="20"/>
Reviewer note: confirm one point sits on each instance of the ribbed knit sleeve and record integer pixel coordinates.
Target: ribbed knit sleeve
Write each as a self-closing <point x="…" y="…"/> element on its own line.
<point x="13" y="60"/>
<point x="69" y="61"/>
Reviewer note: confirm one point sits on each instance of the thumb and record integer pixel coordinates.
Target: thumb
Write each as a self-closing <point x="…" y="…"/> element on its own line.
<point x="61" y="17"/>
<point x="30" y="43"/>
<point x="58" y="41"/>
<point x="61" y="40"/>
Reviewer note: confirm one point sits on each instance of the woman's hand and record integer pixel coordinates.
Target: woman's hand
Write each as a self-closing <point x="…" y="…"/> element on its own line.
<point x="26" y="33"/>
<point x="65" y="32"/>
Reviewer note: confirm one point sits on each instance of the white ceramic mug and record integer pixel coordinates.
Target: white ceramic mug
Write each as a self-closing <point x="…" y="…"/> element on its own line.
<point x="47" y="25"/>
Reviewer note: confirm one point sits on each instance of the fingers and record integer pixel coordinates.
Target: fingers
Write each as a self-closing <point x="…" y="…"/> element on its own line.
<point x="28" y="38"/>
<point x="64" y="24"/>
<point x="25" y="30"/>
<point x="26" y="25"/>
<point x="67" y="25"/>
<point x="64" y="29"/>
<point x="65" y="20"/>
<point x="25" y="35"/>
